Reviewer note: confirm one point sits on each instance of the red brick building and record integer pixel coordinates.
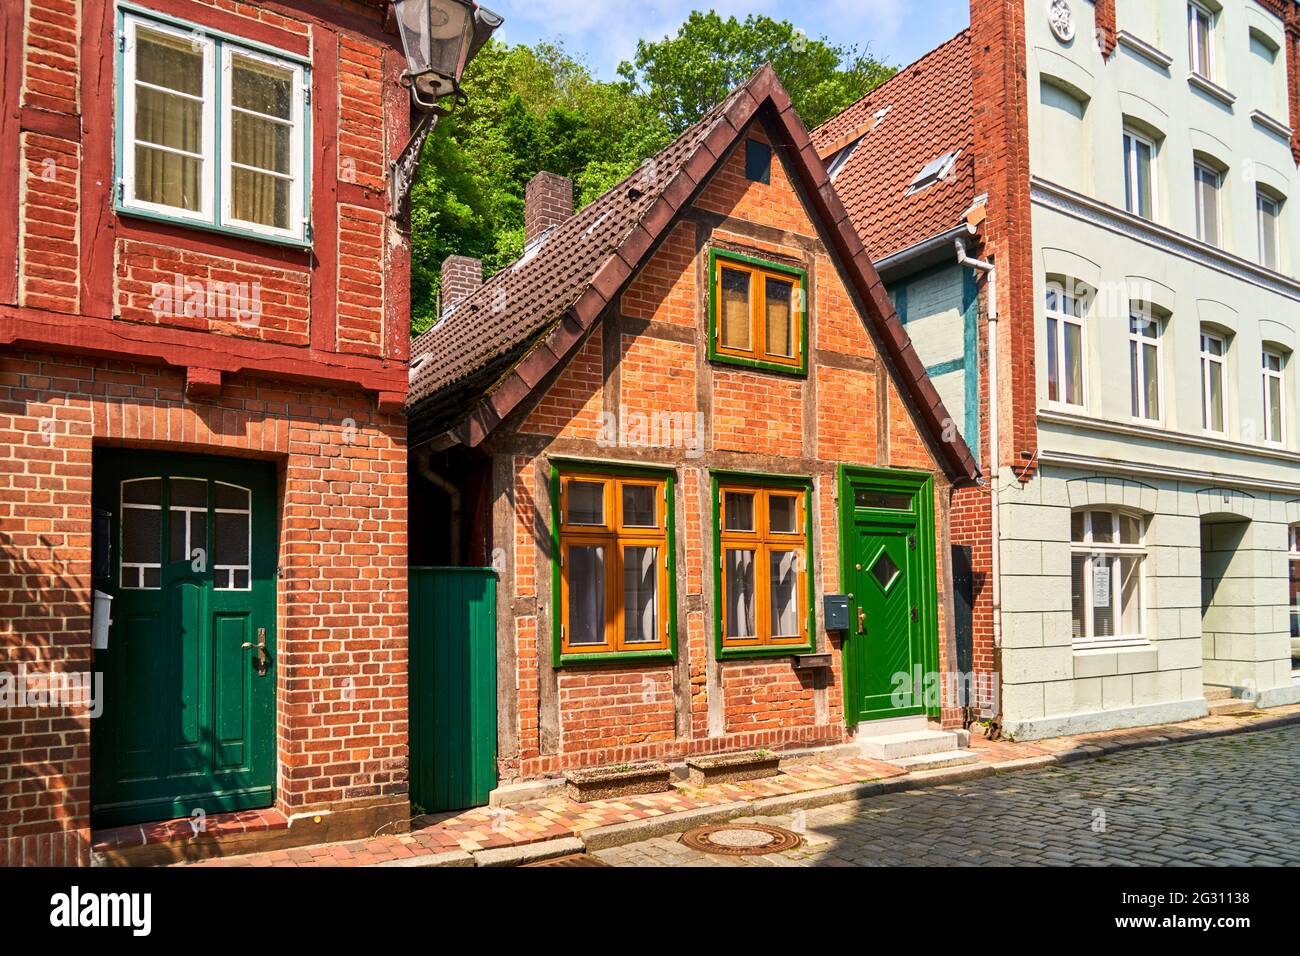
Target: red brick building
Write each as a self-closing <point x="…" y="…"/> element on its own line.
<point x="203" y="343"/>
<point x="684" y="417"/>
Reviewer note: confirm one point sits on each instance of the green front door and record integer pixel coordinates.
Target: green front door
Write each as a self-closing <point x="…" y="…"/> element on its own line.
<point x="188" y="720"/>
<point x="887" y="536"/>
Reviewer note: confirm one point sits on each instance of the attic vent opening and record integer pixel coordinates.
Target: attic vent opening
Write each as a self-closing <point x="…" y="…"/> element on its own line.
<point x="933" y="171"/>
<point x="417" y="363"/>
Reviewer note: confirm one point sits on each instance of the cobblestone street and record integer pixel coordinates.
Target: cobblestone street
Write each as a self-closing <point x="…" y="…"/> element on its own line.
<point x="1227" y="801"/>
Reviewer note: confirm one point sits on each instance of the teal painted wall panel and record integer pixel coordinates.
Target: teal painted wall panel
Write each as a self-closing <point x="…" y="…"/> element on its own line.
<point x="940" y="309"/>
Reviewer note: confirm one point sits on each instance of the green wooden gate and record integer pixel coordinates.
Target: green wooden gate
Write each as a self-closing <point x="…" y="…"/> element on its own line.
<point x="453" y="687"/>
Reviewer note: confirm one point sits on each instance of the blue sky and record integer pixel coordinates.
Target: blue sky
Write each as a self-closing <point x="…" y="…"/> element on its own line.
<point x="603" y="32"/>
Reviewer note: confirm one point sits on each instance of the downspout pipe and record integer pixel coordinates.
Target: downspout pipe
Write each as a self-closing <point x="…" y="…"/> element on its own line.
<point x="424" y="466"/>
<point x="995" y="525"/>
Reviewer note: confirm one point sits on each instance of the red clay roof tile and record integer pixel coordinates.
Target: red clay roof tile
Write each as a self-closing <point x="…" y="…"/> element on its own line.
<point x="930" y="113"/>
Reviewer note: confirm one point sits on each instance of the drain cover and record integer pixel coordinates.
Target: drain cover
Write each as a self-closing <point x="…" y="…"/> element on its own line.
<point x="577" y="859"/>
<point x="741" y="839"/>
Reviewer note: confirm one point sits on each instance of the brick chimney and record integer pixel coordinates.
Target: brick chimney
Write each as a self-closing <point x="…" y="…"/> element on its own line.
<point x="548" y="201"/>
<point x="461" y="278"/>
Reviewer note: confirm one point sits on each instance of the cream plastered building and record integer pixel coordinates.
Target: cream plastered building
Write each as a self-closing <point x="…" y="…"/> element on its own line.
<point x="1148" y="561"/>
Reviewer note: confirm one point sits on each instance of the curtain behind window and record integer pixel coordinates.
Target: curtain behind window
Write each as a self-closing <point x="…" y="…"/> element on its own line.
<point x="169" y="75"/>
<point x="261" y="133"/>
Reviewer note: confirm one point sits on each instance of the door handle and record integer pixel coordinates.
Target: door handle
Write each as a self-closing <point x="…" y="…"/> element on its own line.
<point x="862" y="621"/>
<point x="262" y="657"/>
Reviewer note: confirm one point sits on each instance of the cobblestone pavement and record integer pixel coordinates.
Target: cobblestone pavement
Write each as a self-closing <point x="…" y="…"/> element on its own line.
<point x="1227" y="801"/>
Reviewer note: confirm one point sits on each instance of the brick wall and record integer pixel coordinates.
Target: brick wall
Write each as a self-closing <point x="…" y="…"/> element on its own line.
<point x="49" y="267"/>
<point x="1002" y="170"/>
<point x="360" y="298"/>
<point x="164" y="285"/>
<point x="753" y="421"/>
<point x="341" y="657"/>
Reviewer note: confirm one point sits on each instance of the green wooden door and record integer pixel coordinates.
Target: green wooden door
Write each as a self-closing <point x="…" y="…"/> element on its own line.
<point x="188" y="721"/>
<point x="887" y="536"/>
<point x="453" y="687"/>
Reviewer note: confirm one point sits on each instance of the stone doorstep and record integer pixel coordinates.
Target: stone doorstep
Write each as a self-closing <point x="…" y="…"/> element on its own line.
<point x="891" y="747"/>
<point x="238" y="833"/>
<point x="606" y="783"/>
<point x="734" y="767"/>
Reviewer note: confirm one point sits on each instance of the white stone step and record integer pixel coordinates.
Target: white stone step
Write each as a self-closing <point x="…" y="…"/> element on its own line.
<point x="894" y="725"/>
<point x="1230" y="705"/>
<point x="937" y="761"/>
<point x="890" y="747"/>
<point x="1214" y="692"/>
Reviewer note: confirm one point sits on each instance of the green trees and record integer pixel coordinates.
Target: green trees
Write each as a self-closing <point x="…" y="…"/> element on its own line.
<point x="539" y="108"/>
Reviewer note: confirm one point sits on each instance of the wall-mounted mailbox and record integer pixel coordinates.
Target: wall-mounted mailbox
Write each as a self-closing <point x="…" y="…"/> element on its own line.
<point x="812" y="662"/>
<point x="836" y="612"/>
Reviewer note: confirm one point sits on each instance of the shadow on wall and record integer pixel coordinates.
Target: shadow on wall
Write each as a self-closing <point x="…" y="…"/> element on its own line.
<point x="47" y="685"/>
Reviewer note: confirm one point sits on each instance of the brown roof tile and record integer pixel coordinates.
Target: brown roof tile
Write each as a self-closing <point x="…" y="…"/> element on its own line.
<point x="931" y="112"/>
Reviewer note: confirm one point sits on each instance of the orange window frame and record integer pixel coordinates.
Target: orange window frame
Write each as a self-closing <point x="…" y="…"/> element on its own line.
<point x="615" y="535"/>
<point x="763" y="541"/>
<point x="758" y="350"/>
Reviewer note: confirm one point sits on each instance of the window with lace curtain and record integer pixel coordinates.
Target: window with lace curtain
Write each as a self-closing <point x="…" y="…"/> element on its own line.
<point x="613" y="561"/>
<point x="762" y="549"/>
<point x="757" y="313"/>
<point x="212" y="132"/>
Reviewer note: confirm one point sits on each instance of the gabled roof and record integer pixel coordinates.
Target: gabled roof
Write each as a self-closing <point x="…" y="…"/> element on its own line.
<point x="930" y="116"/>
<point x="480" y="361"/>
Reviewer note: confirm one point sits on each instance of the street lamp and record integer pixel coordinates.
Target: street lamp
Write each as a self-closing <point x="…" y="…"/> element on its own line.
<point x="439" y="38"/>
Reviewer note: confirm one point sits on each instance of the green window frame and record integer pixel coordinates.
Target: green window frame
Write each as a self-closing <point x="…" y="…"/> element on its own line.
<point x="199" y="165"/>
<point x="760" y="278"/>
<point x="763" y="541"/>
<point x="616" y="532"/>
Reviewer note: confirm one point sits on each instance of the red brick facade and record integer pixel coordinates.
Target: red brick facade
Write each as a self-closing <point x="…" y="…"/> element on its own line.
<point x="312" y="382"/>
<point x="648" y="357"/>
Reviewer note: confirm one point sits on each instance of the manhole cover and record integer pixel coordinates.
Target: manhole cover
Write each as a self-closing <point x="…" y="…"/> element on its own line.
<point x="577" y="859"/>
<point x="741" y="839"/>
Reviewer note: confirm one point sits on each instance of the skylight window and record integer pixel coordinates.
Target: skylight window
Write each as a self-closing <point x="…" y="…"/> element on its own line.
<point x="933" y="172"/>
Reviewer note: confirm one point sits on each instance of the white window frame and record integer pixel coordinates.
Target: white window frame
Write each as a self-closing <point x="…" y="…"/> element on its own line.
<point x="1138" y="339"/>
<point x="297" y="115"/>
<point x="1194" y="11"/>
<point x="1269" y="375"/>
<point x="1061" y="317"/>
<point x="1261" y="199"/>
<point x="138" y="568"/>
<point x="1133" y="203"/>
<point x="218" y="54"/>
<point x="230" y="569"/>
<point x="1199" y="168"/>
<point x="1208" y="358"/>
<point x="1114" y="550"/>
<point x="131" y="26"/>
<point x="1293" y="558"/>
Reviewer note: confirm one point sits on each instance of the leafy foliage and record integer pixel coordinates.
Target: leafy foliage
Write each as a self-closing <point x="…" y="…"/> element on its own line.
<point x="539" y="108"/>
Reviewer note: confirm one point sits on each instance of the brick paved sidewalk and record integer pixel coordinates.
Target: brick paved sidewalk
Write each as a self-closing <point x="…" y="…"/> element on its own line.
<point x="558" y="817"/>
